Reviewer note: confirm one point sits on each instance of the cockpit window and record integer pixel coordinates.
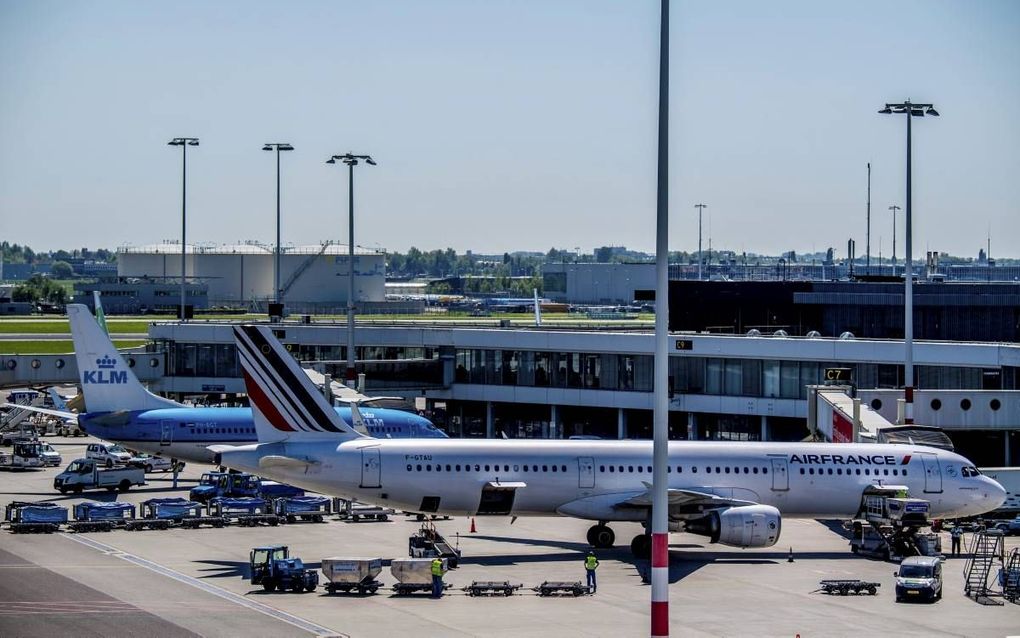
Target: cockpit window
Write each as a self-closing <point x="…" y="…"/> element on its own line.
<point x="970" y="471"/>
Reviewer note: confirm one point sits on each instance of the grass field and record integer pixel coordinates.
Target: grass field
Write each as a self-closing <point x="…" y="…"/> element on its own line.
<point x="55" y="347"/>
<point x="60" y="326"/>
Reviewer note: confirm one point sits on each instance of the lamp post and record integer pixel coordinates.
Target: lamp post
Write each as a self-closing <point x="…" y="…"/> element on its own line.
<point x="351" y="161"/>
<point x="701" y="208"/>
<point x="277" y="146"/>
<point x="911" y="110"/>
<point x="184" y="143"/>
<point x="894" y="208"/>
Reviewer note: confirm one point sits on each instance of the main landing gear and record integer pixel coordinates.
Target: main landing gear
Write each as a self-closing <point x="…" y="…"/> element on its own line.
<point x="601" y="536"/>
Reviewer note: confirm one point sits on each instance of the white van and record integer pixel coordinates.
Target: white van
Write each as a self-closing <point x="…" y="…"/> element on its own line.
<point x="108" y="454"/>
<point x="919" y="578"/>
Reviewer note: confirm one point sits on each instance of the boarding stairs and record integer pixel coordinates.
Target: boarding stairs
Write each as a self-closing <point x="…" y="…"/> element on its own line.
<point x="986" y="549"/>
<point x="12" y="421"/>
<point x="1011" y="579"/>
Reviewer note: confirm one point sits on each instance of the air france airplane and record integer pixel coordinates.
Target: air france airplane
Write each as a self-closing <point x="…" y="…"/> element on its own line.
<point x="121" y="410"/>
<point x="734" y="493"/>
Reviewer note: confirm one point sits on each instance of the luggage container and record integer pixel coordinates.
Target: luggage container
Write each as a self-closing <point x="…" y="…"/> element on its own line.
<point x="304" y="508"/>
<point x="179" y="511"/>
<point x="347" y="574"/>
<point x="414" y="575"/>
<point x="246" y="512"/>
<point x="91" y="516"/>
<point x="34" y="518"/>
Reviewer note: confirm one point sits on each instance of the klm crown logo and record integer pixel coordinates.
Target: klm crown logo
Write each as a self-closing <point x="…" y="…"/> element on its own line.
<point x="105" y="375"/>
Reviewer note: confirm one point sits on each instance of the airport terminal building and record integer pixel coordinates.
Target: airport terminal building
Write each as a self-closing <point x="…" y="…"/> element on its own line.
<point x="555" y="383"/>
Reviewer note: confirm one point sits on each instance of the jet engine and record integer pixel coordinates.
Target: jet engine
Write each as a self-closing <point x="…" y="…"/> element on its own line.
<point x="745" y="526"/>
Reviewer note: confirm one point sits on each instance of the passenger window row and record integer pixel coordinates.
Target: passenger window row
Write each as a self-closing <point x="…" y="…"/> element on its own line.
<point x="853" y="471"/>
<point x="622" y="469"/>
<point x="428" y="467"/>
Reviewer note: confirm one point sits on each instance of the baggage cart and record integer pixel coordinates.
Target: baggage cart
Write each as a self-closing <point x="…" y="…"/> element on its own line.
<point x="246" y="511"/>
<point x="847" y="587"/>
<point x="292" y="509"/>
<point x="491" y="588"/>
<point x="354" y="511"/>
<point x="414" y="575"/>
<point x="352" y="574"/>
<point x="34" y="518"/>
<point x="91" y="516"/>
<point x="551" y="587"/>
<point x="179" y="511"/>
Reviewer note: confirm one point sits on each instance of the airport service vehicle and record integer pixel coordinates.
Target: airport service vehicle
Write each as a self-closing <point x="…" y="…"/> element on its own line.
<point x="1009" y="527"/>
<point x="414" y="575"/>
<point x="733" y="493"/>
<point x="34" y="518"/>
<point x="352" y="574"/>
<point x="86" y="474"/>
<point x="224" y="484"/>
<point x="23" y="454"/>
<point x="273" y="568"/>
<point x="919" y="578"/>
<point x="50" y="457"/>
<point x="151" y="463"/>
<point x="121" y="410"/>
<point x="108" y="455"/>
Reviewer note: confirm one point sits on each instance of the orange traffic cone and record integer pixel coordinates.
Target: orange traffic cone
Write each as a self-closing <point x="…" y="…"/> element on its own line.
<point x="473" y="530"/>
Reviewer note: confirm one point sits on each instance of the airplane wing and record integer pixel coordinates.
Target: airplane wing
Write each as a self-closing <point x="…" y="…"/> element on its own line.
<point x="31" y="408"/>
<point x="681" y="500"/>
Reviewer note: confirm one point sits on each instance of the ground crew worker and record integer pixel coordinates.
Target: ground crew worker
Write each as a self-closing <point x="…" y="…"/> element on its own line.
<point x="437" y="577"/>
<point x="590" y="565"/>
<point x="956" y="534"/>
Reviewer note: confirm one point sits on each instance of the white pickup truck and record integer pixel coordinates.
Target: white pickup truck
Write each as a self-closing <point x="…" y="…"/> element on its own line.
<point x="85" y="474"/>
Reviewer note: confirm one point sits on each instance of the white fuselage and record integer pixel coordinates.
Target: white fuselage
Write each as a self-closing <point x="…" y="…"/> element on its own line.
<point x="590" y="479"/>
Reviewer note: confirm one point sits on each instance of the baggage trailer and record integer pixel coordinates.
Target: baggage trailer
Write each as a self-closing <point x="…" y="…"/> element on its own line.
<point x="347" y="510"/>
<point x="352" y="574"/>
<point x="847" y="587"/>
<point x="550" y="587"/>
<point x="492" y="588"/>
<point x="246" y="512"/>
<point x="178" y="511"/>
<point x="91" y="516"/>
<point x="311" y="509"/>
<point x="414" y="575"/>
<point x="34" y="518"/>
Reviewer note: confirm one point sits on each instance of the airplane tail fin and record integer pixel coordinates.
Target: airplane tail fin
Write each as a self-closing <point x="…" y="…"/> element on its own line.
<point x="286" y="405"/>
<point x="58" y="401"/>
<point x="107" y="381"/>
<point x="100" y="315"/>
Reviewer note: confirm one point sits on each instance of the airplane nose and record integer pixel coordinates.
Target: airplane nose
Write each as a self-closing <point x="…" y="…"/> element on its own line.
<point x="996" y="494"/>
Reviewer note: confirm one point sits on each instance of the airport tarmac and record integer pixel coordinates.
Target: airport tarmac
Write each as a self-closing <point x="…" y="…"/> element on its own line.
<point x="190" y="582"/>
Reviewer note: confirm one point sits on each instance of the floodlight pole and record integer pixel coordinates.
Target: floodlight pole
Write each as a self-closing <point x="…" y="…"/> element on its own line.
<point x="351" y="161"/>
<point x="701" y="208"/>
<point x="894" y="208"/>
<point x="277" y="146"/>
<point x="184" y="143"/>
<point x="912" y="111"/>
<point x="660" y="437"/>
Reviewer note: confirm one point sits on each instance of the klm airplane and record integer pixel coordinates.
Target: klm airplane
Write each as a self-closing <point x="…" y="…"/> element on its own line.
<point x="121" y="410"/>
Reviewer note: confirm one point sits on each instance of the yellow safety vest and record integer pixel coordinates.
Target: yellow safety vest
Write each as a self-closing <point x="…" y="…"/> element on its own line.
<point x="590" y="563"/>
<point x="437" y="567"/>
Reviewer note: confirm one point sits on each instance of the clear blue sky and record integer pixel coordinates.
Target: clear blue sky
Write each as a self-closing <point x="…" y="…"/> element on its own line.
<point x="504" y="125"/>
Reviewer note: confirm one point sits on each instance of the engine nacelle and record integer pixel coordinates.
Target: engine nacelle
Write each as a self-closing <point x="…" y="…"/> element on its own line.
<point x="746" y="526"/>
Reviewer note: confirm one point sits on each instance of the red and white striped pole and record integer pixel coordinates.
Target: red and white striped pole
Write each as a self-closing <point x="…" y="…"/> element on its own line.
<point x="660" y="442"/>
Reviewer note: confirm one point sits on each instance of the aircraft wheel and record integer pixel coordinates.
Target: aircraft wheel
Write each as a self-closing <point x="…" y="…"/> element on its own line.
<point x="601" y="536"/>
<point x="641" y="546"/>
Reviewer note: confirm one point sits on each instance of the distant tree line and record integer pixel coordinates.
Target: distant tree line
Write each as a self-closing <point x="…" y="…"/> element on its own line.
<point x="40" y="289"/>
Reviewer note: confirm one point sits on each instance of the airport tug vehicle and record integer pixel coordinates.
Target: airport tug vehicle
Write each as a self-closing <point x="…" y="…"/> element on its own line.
<point x="273" y="568"/>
